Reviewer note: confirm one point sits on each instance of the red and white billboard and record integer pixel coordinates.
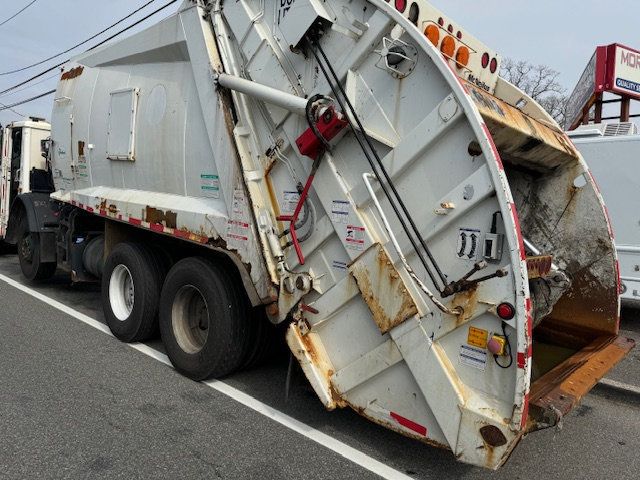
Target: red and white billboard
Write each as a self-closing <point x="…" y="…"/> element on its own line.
<point x="625" y="71"/>
<point x="613" y="68"/>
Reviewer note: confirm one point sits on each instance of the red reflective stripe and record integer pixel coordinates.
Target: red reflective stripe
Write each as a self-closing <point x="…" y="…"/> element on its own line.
<point x="157" y="227"/>
<point x="493" y="146"/>
<point x="103" y="212"/>
<point x="525" y="411"/>
<point x="411" y="425"/>
<point x="595" y="184"/>
<point x="522" y="357"/>
<point x="89" y="209"/>
<point x="608" y="219"/>
<point x="516" y="220"/>
<point x="135" y="221"/>
<point x="181" y="234"/>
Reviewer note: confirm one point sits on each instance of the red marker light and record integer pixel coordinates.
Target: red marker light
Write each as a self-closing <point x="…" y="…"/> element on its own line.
<point x="494" y="65"/>
<point x="401" y="5"/>
<point x="441" y="22"/>
<point x="485" y="60"/>
<point x="506" y="311"/>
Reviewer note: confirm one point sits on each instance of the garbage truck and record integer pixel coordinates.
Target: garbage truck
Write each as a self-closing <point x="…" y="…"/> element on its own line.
<point x="358" y="172"/>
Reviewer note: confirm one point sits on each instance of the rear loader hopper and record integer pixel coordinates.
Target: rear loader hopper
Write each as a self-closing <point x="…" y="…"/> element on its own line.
<point x="434" y="241"/>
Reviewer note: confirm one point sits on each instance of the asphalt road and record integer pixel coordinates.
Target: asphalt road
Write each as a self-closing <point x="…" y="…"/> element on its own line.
<point x="76" y="403"/>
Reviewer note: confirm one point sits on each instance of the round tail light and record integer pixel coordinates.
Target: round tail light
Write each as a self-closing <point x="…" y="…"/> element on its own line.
<point x="506" y="311"/>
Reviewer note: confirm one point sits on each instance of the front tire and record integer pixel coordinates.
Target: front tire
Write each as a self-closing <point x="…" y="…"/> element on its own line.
<point x="29" y="256"/>
<point x="204" y="319"/>
<point x="131" y="284"/>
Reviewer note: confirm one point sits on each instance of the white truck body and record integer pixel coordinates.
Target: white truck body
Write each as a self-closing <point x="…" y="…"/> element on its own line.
<point x="613" y="160"/>
<point x="160" y="133"/>
<point x="21" y="152"/>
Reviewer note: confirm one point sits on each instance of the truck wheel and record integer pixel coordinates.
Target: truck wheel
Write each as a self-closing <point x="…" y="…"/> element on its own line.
<point x="131" y="284"/>
<point x="29" y="256"/>
<point x="204" y="319"/>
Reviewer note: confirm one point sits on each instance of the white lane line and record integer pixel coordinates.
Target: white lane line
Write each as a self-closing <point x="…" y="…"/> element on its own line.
<point x="352" y="454"/>
<point x="620" y="386"/>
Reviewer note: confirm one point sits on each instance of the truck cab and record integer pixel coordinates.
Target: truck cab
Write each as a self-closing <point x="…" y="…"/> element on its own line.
<point x="24" y="168"/>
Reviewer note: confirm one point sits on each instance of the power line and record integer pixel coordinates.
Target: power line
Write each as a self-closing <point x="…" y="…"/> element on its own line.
<point x="171" y="2"/>
<point x="26" y="87"/>
<point x="18" y="13"/>
<point x="22" y="69"/>
<point x="22" y="102"/>
<point x="12" y="110"/>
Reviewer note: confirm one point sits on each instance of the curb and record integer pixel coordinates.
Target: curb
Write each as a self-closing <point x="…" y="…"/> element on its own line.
<point x="623" y="390"/>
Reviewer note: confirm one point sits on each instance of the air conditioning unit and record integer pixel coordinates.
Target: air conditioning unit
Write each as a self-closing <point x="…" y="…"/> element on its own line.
<point x="605" y="130"/>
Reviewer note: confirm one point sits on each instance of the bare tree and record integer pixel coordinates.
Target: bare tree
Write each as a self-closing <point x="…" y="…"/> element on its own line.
<point x="541" y="83"/>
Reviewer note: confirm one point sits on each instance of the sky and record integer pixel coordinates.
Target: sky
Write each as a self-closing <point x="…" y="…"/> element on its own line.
<point x="562" y="34"/>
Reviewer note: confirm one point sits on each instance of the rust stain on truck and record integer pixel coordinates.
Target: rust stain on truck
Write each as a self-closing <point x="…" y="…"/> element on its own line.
<point x="169" y="219"/>
<point x="382" y="289"/>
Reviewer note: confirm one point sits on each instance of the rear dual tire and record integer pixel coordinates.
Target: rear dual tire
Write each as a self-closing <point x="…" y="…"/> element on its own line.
<point x="204" y="319"/>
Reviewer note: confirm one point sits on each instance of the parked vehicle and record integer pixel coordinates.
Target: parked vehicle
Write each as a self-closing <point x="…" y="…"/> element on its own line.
<point x="612" y="151"/>
<point x="358" y="171"/>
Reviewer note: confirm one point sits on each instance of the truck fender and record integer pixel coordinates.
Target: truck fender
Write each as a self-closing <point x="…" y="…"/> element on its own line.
<point x="39" y="211"/>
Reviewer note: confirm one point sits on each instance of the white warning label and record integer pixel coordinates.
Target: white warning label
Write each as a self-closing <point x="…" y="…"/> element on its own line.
<point x="289" y="202"/>
<point x="210" y="185"/>
<point x="354" y="237"/>
<point x="238" y="230"/>
<point x="473" y="357"/>
<point x="469" y="243"/>
<point x="239" y="204"/>
<point x="340" y="211"/>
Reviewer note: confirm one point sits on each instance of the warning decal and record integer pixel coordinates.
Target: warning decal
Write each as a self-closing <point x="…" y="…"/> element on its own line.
<point x="238" y="226"/>
<point x="210" y="185"/>
<point x="238" y="230"/>
<point x="468" y="243"/>
<point x="354" y="237"/>
<point x="289" y="202"/>
<point x="340" y="211"/>
<point x="473" y="357"/>
<point x="477" y="337"/>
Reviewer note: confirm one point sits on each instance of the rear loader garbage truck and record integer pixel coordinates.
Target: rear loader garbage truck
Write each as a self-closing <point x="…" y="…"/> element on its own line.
<point x="357" y="170"/>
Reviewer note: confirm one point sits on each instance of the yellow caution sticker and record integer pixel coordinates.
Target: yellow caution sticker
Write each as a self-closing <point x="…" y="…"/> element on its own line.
<point x="477" y="337"/>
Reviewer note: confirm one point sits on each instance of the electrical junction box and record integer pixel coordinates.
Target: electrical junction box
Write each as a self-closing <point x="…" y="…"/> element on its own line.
<point x="493" y="246"/>
<point x="294" y="18"/>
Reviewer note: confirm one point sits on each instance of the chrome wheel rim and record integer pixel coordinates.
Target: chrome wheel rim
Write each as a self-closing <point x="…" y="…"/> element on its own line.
<point x="190" y="319"/>
<point x="121" y="292"/>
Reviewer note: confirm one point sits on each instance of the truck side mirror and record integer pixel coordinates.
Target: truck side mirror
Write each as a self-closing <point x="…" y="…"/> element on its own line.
<point x="45" y="147"/>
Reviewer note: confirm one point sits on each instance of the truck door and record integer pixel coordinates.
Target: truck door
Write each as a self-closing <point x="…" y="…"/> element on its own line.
<point x="11" y="157"/>
<point x="5" y="166"/>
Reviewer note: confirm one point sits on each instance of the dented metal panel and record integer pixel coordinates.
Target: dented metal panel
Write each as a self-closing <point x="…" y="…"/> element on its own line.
<point x="382" y="289"/>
